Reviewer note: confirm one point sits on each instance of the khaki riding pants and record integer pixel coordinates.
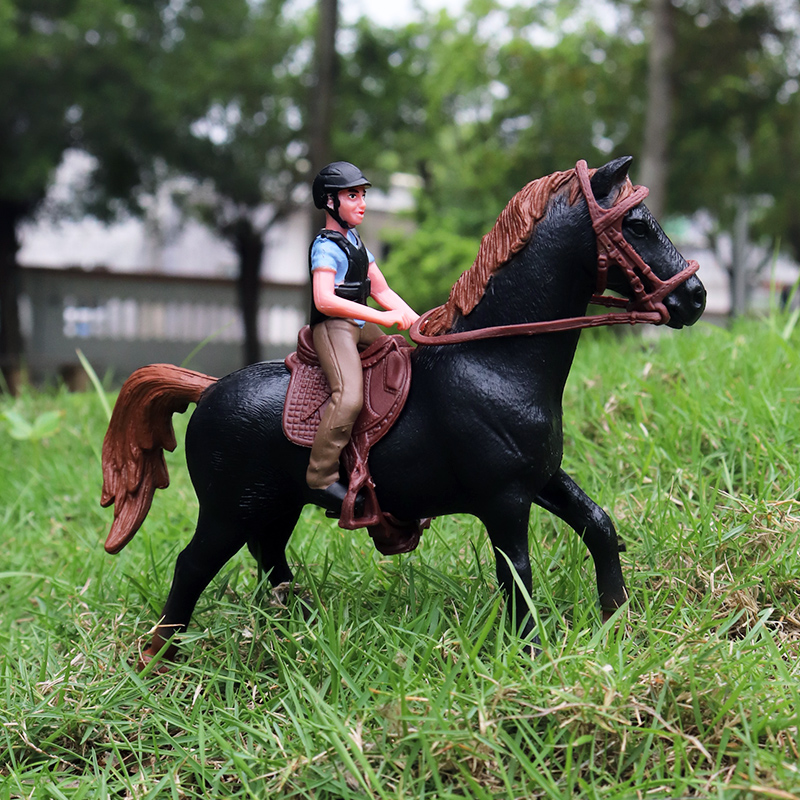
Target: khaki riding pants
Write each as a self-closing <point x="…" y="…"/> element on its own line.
<point x="337" y="342"/>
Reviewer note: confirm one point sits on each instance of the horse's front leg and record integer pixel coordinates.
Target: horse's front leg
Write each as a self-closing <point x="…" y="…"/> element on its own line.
<point x="564" y="498"/>
<point x="506" y="522"/>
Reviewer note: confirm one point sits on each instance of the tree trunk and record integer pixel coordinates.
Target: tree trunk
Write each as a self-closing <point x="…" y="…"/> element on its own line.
<point x="323" y="101"/>
<point x="249" y="245"/>
<point x="739" y="259"/>
<point x="792" y="235"/>
<point x="323" y="97"/>
<point x="658" y="119"/>
<point x="10" y="333"/>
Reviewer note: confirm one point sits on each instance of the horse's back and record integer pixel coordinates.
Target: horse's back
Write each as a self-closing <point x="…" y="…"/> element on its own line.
<point x="251" y="396"/>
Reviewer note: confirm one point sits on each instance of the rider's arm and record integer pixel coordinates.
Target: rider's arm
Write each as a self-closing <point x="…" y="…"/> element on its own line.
<point x="389" y="299"/>
<point x="329" y="303"/>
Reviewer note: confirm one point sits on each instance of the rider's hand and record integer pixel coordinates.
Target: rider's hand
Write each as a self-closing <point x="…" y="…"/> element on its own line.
<point x="403" y="318"/>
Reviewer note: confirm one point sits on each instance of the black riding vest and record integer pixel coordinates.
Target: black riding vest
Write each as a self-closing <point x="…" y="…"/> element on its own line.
<point x="356" y="285"/>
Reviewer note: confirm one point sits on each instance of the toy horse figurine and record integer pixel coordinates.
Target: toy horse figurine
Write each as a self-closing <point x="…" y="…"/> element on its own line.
<point x="480" y="432"/>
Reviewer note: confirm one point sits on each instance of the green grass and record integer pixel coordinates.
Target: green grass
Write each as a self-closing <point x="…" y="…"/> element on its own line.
<point x="404" y="680"/>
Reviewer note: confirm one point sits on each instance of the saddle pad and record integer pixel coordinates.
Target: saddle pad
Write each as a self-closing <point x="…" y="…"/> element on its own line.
<point x="387" y="376"/>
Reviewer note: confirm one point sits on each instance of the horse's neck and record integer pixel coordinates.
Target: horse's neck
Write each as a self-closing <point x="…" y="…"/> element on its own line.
<point x="549" y="279"/>
<point x="552" y="277"/>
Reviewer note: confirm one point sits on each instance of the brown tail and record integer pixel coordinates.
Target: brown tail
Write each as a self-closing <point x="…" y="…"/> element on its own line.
<point x="139" y="432"/>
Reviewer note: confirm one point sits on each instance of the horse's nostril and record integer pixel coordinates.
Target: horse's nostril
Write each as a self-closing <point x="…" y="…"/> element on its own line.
<point x="699" y="296"/>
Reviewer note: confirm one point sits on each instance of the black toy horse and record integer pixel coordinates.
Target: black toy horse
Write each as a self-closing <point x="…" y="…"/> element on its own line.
<point x="481" y="430"/>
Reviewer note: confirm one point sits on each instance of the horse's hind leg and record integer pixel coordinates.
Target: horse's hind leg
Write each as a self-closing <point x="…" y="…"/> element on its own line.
<point x="268" y="546"/>
<point x="215" y="541"/>
<point x="564" y="498"/>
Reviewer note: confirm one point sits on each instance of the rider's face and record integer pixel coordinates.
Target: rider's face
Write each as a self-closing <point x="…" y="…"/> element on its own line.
<point x="353" y="204"/>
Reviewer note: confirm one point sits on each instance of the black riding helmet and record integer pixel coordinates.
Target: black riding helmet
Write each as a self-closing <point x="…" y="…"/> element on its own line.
<point x="331" y="180"/>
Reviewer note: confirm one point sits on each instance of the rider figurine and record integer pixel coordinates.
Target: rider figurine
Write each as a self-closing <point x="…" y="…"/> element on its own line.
<point x="343" y="276"/>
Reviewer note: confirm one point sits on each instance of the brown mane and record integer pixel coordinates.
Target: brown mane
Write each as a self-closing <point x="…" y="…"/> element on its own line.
<point x="511" y="232"/>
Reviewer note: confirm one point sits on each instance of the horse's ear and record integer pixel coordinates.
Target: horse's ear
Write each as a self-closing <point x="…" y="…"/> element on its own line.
<point x="609" y="179"/>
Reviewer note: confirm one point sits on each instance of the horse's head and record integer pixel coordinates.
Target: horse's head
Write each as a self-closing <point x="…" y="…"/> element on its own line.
<point x="542" y="237"/>
<point x="635" y="257"/>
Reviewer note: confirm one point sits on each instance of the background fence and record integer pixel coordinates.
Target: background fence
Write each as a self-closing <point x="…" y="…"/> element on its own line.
<point x="123" y="321"/>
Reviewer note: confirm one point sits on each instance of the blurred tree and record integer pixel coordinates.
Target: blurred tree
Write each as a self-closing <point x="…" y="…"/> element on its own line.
<point x="476" y="107"/>
<point x="247" y="149"/>
<point x="207" y="88"/>
<point x="38" y="50"/>
<point x="734" y="149"/>
<point x="321" y="119"/>
<point x="422" y="268"/>
<point x="658" y="114"/>
<point x="704" y="93"/>
<point x="400" y="92"/>
<point x="572" y="96"/>
<point x="776" y="166"/>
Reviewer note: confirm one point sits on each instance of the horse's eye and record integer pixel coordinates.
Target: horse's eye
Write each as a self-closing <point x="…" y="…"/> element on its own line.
<point x="638" y="227"/>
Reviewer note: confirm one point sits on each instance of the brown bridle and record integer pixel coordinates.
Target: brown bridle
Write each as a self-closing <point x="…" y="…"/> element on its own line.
<point x="612" y="248"/>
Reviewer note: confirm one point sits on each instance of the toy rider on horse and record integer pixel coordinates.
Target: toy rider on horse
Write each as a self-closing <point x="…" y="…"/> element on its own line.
<point x="343" y="276"/>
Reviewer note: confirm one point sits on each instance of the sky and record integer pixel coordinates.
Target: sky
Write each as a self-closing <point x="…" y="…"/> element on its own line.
<point x="393" y="12"/>
<point x="387" y="13"/>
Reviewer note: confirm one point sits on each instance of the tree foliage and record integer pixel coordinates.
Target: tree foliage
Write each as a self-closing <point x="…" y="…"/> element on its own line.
<point x="248" y="145"/>
<point x="730" y="76"/>
<point x="207" y="88"/>
<point x="422" y="268"/>
<point x="75" y="73"/>
<point x="114" y="78"/>
<point x="478" y="105"/>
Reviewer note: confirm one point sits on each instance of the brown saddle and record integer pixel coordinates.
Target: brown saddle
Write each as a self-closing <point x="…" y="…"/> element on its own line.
<point x="387" y="377"/>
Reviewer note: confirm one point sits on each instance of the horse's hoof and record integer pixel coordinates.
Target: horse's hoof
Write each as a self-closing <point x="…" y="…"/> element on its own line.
<point x="533" y="646"/>
<point x="280" y="594"/>
<point x="162" y="668"/>
<point x="153" y="649"/>
<point x="608" y="613"/>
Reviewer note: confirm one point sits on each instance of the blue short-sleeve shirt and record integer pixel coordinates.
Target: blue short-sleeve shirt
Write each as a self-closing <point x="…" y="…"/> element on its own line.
<point x="325" y="253"/>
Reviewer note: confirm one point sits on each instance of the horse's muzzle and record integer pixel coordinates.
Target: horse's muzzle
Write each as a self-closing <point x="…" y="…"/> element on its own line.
<point x="686" y="303"/>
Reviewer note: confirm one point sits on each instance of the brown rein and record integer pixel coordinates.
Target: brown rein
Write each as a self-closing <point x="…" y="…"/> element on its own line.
<point x="612" y="248"/>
